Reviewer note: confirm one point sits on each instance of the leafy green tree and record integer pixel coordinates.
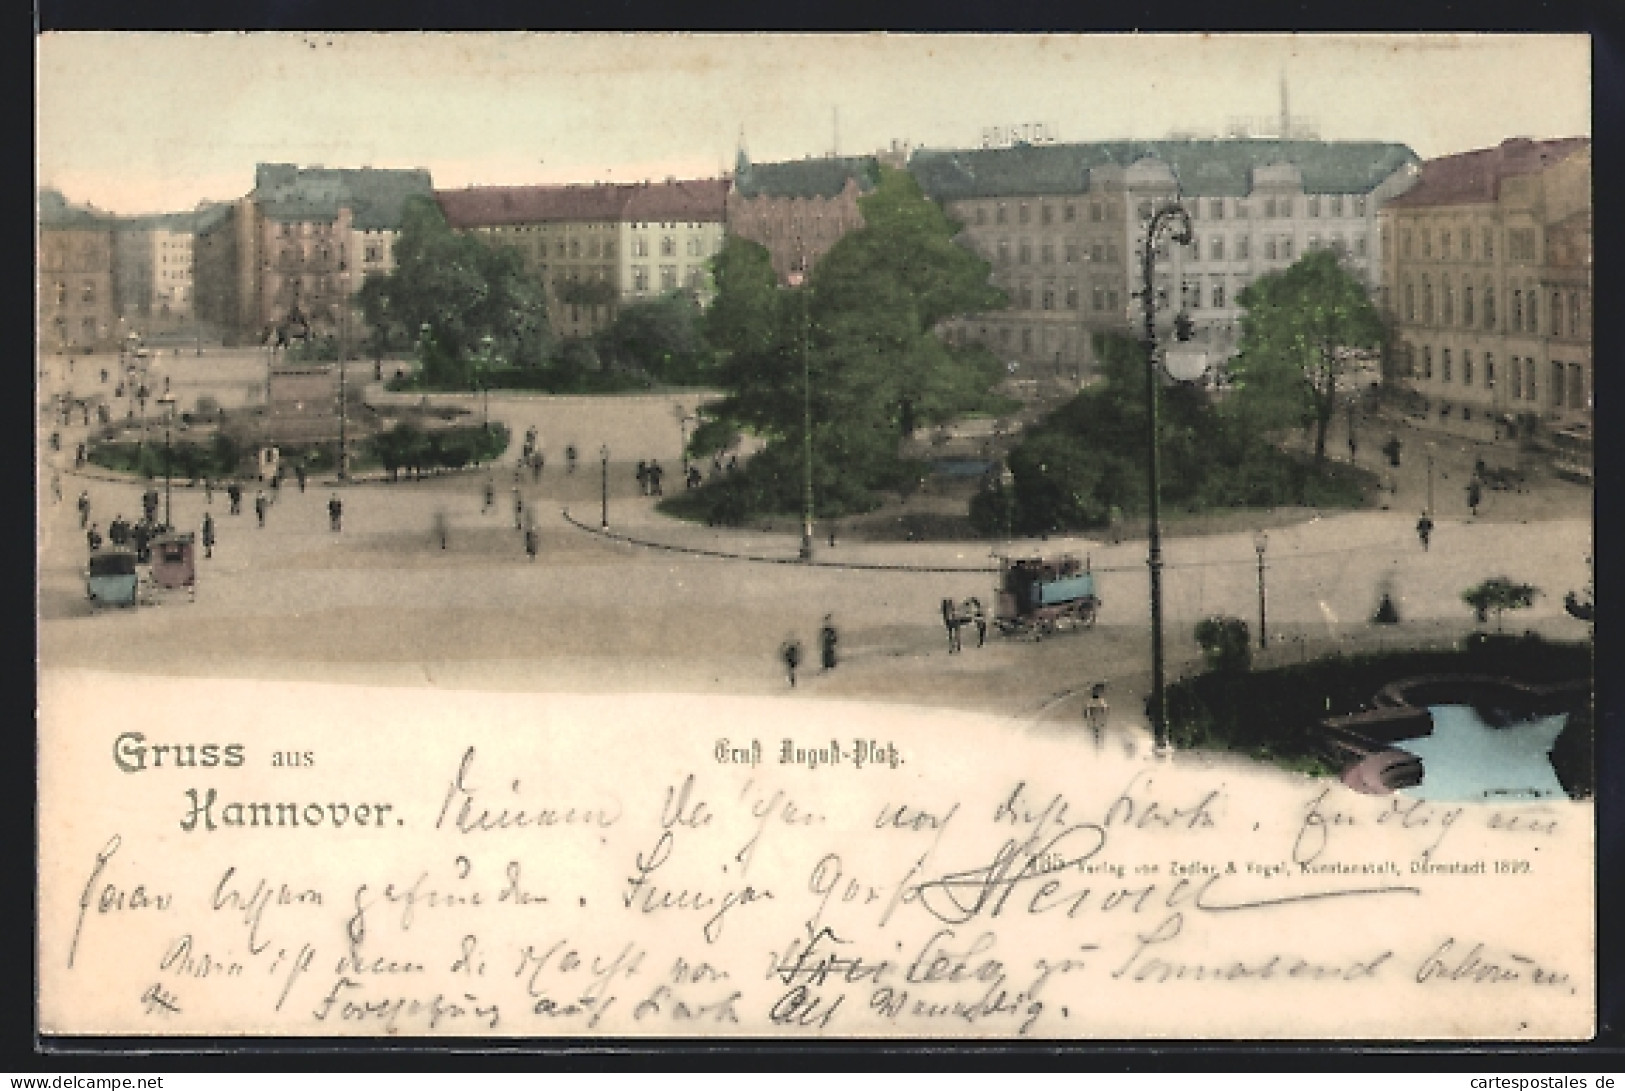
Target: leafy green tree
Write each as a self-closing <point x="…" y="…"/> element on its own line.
<point x="1224" y="643"/>
<point x="1297" y="327"/>
<point x="1500" y="594"/>
<point x="861" y="337"/>
<point x="662" y="337"/>
<point x="458" y="291"/>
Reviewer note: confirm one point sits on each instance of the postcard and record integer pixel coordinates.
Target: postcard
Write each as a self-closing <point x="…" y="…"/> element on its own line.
<point x="918" y="537"/>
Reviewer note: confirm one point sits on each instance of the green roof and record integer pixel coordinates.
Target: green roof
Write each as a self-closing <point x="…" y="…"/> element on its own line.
<point x="56" y="212"/>
<point x="805" y="178"/>
<point x="1205" y="168"/>
<point x="375" y="197"/>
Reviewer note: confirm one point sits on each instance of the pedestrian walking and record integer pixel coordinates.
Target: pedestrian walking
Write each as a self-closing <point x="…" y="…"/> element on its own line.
<point x="827" y="639"/>
<point x="93" y="538"/>
<point x="1392" y="449"/>
<point x="536" y="468"/>
<point x="1424" y="530"/>
<point x="260" y="504"/>
<point x="490" y="495"/>
<point x="208" y="490"/>
<point x="441" y="529"/>
<point x="118" y="530"/>
<point x="570" y="459"/>
<point x="791" y="654"/>
<point x="56" y="488"/>
<point x="518" y="509"/>
<point x="234" y="493"/>
<point x="532" y="542"/>
<point x="208" y="534"/>
<point x="1475" y="494"/>
<point x="299" y="475"/>
<point x="335" y="513"/>
<point x="142" y="534"/>
<point x="276" y="484"/>
<point x="950" y="621"/>
<point x="84" y="509"/>
<point x="643" y="477"/>
<point x="655" y="474"/>
<point x="149" y="504"/>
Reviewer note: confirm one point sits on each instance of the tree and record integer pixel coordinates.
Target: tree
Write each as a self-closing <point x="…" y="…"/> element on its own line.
<point x="863" y="329"/>
<point x="1499" y="593"/>
<point x="1224" y="643"/>
<point x="662" y="337"/>
<point x="462" y="291"/>
<point x="1297" y="328"/>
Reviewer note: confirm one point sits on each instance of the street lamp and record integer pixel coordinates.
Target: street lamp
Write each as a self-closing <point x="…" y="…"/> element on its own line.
<point x="683" y="418"/>
<point x="603" y="458"/>
<point x="169" y="418"/>
<point x="1261" y="542"/>
<point x="796" y="279"/>
<point x="1007" y="486"/>
<point x="1430" y="447"/>
<point x="1173" y="217"/>
<point x="479" y="377"/>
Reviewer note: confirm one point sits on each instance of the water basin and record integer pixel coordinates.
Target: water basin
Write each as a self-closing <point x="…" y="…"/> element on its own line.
<point x="1467" y="760"/>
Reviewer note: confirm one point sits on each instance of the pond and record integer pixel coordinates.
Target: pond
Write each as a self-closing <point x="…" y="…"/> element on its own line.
<point x="1468" y="760"/>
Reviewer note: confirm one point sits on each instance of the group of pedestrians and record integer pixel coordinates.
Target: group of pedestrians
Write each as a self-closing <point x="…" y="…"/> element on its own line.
<point x="649" y="476"/>
<point x="790" y="652"/>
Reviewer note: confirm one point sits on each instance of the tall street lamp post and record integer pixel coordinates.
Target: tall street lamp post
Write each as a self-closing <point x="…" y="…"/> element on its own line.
<point x="1430" y="446"/>
<point x="344" y="392"/>
<point x="1176" y="222"/>
<point x="486" y="344"/>
<point x="168" y="405"/>
<point x="1007" y="486"/>
<point x="1261" y="542"/>
<point x="603" y="459"/>
<point x="796" y="281"/>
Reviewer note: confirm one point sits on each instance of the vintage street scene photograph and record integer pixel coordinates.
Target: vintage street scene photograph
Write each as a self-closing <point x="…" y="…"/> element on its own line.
<point x="832" y="535"/>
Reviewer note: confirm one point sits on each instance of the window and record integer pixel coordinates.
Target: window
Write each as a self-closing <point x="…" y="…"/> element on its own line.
<point x="694" y="250"/>
<point x="1337" y="204"/>
<point x="1405" y="244"/>
<point x="87" y="294"/>
<point x="1359" y="205"/>
<point x="1447" y="312"/>
<point x="1111" y="301"/>
<point x="1217" y="293"/>
<point x="1097" y="252"/>
<point x="1410" y="302"/>
<point x="1004" y="251"/>
<point x="1269" y="208"/>
<point x="1466" y="368"/>
<point x="1489" y="371"/>
<point x="1489" y="244"/>
<point x="575" y="248"/>
<point x="1215" y="248"/>
<point x="1444" y="245"/>
<point x="1002" y="215"/>
<point x="1073" y="253"/>
<point x="1094" y="212"/>
<point x="668" y="246"/>
<point x="1577" y="387"/>
<point x="1046" y="214"/>
<point x="1534" y="312"/>
<point x="1026" y="213"/>
<point x="1531" y="381"/>
<point x="1312" y="243"/>
<point x="1097" y="298"/>
<point x="1467" y="305"/>
<point x="1046" y="253"/>
<point x="1048" y="296"/>
<point x="1427" y="361"/>
<point x="1191" y="295"/>
<point x="1427" y="243"/>
<point x="1026" y="339"/>
<point x="1269" y="248"/>
<point x="1071" y="214"/>
<point x="696" y="277"/>
<point x="640" y="278"/>
<point x="1556" y="315"/>
<point x="1576" y="328"/>
<point x="1557" y="375"/>
<point x="1111" y="253"/>
<point x="1286" y="247"/>
<point x="1215" y="209"/>
<point x="1025" y="253"/>
<point x="668" y="278"/>
<point x="1489" y="307"/>
<point x="1517" y="309"/>
<point x="1196" y="248"/>
<point x="1071" y="295"/>
<point x="1517" y="378"/>
<point x="1024" y="296"/>
<point x="1359" y="246"/>
<point x="1444" y="364"/>
<point x="1427" y="300"/>
<point x="1314" y="205"/>
<point x="1241" y="209"/>
<point x="1145" y="210"/>
<point x="1243" y="245"/>
<point x="1521" y="244"/>
<point x="981" y="216"/>
<point x="1467" y="245"/>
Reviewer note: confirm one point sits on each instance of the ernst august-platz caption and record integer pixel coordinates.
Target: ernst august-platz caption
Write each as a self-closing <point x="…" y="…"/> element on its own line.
<point x="536" y="548"/>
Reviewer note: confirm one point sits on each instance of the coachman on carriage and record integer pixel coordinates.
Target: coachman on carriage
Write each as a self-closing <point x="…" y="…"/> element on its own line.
<point x="1039" y="595"/>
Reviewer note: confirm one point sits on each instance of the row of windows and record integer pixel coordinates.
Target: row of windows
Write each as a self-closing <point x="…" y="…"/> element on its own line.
<point x="1524" y="316"/>
<point x="1098" y="212"/>
<point x="1452" y="244"/>
<point x="1213" y="208"/>
<point x="87" y="293"/>
<point x="1523" y="376"/>
<point x="695" y="278"/>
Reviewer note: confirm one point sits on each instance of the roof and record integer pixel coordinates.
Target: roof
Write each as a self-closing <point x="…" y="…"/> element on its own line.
<point x="55" y="212"/>
<point x="673" y="200"/>
<point x="1205" y="168"/>
<point x="374" y="197"/>
<point x="805" y="178"/>
<point x="1475" y="177"/>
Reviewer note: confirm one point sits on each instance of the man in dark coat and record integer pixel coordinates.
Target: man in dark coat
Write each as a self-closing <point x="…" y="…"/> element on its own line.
<point x="335" y="513"/>
<point x="208" y="534"/>
<point x="1424" y="530"/>
<point x="827" y="639"/>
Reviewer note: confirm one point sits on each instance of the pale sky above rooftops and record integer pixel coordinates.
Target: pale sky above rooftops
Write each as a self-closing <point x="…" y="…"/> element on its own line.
<point x="150" y="122"/>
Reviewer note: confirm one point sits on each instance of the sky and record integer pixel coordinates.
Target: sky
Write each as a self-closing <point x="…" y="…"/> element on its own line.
<point x="151" y="122"/>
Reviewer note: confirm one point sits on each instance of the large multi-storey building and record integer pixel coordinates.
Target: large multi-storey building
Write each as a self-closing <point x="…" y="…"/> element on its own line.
<point x="77" y="306"/>
<point x="797" y="210"/>
<point x="597" y="247"/>
<point x="304" y="240"/>
<point x="154" y="272"/>
<point x="1489" y="284"/>
<point x="1064" y="226"/>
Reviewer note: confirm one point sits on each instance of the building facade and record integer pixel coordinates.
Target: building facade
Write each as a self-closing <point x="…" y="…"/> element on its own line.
<point x="1064" y="227"/>
<point x="306" y="237"/>
<point x="1489" y="285"/>
<point x="797" y="210"/>
<point x="595" y="248"/>
<point x="77" y="305"/>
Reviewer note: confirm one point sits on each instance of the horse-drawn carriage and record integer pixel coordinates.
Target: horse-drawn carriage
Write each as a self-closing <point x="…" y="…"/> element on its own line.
<point x="1039" y="595"/>
<point x="174" y="564"/>
<point x="111" y="578"/>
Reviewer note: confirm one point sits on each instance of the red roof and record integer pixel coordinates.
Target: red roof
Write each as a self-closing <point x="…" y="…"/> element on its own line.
<point x="492" y="206"/>
<point x="1475" y="177"/>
